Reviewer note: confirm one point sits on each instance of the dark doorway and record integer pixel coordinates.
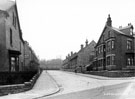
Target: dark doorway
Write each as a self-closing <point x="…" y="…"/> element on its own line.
<point x="14" y="60"/>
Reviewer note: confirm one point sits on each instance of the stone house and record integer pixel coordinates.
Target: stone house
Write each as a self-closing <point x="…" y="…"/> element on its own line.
<point x="11" y="41"/>
<point x="86" y="55"/>
<point x="79" y="60"/>
<point x="115" y="48"/>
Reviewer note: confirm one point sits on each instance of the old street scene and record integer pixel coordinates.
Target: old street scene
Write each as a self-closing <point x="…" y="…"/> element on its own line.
<point x="63" y="49"/>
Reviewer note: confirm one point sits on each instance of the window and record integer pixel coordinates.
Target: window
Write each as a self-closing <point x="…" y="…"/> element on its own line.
<point x="112" y="60"/>
<point x="101" y="47"/>
<point x="104" y="48"/>
<point x="12" y="63"/>
<point x="108" y="60"/>
<point x="131" y="31"/>
<point x="112" y="44"/>
<point x="130" y="61"/>
<point x="14" y="20"/>
<point x="110" y="34"/>
<point x="96" y="52"/>
<point x="129" y="44"/>
<point x="11" y="39"/>
<point x="101" y="62"/>
<point x="108" y="46"/>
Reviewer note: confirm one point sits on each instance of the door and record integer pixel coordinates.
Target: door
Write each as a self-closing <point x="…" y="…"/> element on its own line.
<point x="14" y="63"/>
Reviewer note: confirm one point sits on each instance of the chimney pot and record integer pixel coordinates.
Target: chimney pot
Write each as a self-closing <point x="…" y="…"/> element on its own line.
<point x="71" y="53"/>
<point x="109" y="21"/>
<point x="120" y="27"/>
<point x="86" y="42"/>
<point x="81" y="46"/>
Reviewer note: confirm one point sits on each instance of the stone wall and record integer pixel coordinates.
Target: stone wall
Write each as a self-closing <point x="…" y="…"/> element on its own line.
<point x="16" y="88"/>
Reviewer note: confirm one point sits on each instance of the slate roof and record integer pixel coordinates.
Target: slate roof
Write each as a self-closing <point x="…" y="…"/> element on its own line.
<point x="115" y="29"/>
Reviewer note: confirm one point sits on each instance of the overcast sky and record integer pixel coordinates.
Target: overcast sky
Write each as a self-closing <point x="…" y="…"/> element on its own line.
<point x="54" y="28"/>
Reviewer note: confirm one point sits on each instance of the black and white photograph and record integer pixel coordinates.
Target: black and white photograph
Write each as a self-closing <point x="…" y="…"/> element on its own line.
<point x="67" y="49"/>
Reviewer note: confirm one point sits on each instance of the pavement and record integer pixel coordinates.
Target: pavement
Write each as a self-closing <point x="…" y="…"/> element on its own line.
<point x="82" y="86"/>
<point x="44" y="86"/>
<point x="67" y="85"/>
<point x="102" y="77"/>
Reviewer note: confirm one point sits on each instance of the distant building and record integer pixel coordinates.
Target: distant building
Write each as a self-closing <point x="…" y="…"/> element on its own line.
<point x="86" y="54"/>
<point x="115" y="49"/>
<point x="65" y="63"/>
<point x="82" y="58"/>
<point x="72" y="60"/>
<point x="27" y="55"/>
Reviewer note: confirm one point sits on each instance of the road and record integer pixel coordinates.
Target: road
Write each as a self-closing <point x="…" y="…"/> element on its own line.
<point x="77" y="86"/>
<point x="67" y="85"/>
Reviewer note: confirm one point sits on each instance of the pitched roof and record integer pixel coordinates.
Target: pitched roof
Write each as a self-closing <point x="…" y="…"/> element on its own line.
<point x="6" y="4"/>
<point x="90" y="44"/>
<point x="115" y="29"/>
<point x="126" y="27"/>
<point x="120" y="32"/>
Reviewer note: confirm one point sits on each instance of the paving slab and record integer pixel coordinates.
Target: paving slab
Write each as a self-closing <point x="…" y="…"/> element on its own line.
<point x="44" y="86"/>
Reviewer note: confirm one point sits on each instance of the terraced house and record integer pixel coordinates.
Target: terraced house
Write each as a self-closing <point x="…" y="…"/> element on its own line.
<point x="79" y="60"/>
<point x="115" y="48"/>
<point x="14" y="56"/>
<point x="86" y="55"/>
<point x="10" y="37"/>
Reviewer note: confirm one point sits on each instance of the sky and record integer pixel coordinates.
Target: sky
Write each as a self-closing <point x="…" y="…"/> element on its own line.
<point x="54" y="28"/>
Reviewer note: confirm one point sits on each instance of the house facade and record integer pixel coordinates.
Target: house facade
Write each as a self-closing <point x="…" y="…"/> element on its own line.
<point x="12" y="45"/>
<point x="72" y="61"/>
<point x="86" y="55"/>
<point x="115" y="48"/>
<point x="10" y="36"/>
<point x="80" y="59"/>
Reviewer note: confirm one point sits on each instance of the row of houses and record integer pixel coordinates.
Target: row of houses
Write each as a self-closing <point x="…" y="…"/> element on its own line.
<point x="80" y="59"/>
<point x="15" y="52"/>
<point x="115" y="50"/>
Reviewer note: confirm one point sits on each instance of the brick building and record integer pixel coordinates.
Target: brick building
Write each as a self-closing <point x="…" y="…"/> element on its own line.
<point x="10" y="37"/>
<point x="33" y="61"/>
<point x="115" y="48"/>
<point x="72" y="60"/>
<point x="86" y="54"/>
<point x="12" y="45"/>
<point x="27" y="55"/>
<point x="80" y="59"/>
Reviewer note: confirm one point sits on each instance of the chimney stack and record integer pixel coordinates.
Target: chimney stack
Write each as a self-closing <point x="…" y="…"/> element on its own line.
<point x="68" y="55"/>
<point x="86" y="42"/>
<point x="120" y="27"/>
<point x="81" y="46"/>
<point x="109" y="21"/>
<point x="71" y="53"/>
